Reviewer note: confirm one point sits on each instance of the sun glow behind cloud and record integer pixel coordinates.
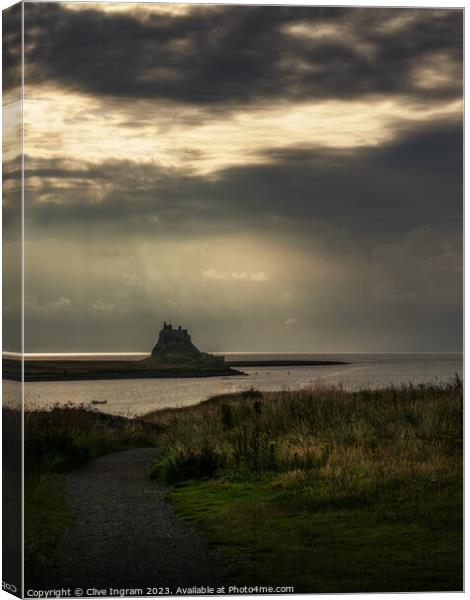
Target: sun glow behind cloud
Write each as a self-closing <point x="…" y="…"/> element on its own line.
<point x="205" y="142"/>
<point x="141" y="10"/>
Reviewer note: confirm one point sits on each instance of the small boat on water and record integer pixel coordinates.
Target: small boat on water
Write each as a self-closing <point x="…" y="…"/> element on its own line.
<point x="99" y="402"/>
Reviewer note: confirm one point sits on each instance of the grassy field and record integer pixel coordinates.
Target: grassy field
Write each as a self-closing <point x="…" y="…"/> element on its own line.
<point x="319" y="489"/>
<point x="324" y="490"/>
<point x="55" y="442"/>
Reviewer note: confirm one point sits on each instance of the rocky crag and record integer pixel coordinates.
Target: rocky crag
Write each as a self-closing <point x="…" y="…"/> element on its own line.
<point x="174" y="355"/>
<point x="175" y="347"/>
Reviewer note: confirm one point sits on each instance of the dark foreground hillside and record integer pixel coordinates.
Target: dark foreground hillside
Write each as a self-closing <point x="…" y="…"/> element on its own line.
<point x="324" y="490"/>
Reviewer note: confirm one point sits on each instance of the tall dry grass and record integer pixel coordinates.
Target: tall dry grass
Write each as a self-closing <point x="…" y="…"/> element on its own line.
<point x="356" y="445"/>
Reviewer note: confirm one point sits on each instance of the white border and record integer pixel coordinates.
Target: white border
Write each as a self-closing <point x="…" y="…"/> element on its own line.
<point x="365" y="3"/>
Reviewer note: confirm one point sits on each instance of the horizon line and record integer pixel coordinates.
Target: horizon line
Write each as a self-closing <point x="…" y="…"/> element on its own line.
<point x="7" y="353"/>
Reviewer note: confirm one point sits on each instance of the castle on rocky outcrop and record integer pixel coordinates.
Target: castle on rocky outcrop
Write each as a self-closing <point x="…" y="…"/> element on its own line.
<point x="170" y="339"/>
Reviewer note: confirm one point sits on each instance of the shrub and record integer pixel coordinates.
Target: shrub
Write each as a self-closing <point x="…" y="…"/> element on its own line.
<point x="189" y="464"/>
<point x="227" y="416"/>
<point x="251" y="393"/>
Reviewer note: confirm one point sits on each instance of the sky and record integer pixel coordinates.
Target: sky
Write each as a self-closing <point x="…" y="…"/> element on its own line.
<point x="272" y="178"/>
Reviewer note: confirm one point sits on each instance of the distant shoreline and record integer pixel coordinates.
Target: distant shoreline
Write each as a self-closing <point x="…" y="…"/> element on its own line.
<point x="284" y="363"/>
<point x="73" y="370"/>
<point x="76" y="370"/>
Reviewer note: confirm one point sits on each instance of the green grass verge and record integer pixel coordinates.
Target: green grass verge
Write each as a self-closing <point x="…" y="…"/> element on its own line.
<point x="272" y="537"/>
<point x="47" y="515"/>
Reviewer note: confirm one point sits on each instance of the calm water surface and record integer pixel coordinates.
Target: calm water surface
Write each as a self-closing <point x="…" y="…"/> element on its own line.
<point x="138" y="396"/>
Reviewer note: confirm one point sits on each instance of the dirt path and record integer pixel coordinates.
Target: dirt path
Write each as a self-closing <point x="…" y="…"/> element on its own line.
<point x="126" y="534"/>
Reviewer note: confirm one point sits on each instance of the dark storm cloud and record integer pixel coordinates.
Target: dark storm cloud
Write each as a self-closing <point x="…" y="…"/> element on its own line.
<point x="227" y="55"/>
<point x="11" y="49"/>
<point x="373" y="191"/>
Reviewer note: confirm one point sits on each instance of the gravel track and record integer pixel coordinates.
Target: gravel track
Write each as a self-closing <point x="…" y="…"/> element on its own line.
<point x="126" y="534"/>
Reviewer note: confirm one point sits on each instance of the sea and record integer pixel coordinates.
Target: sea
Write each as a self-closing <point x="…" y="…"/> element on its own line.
<point x="134" y="397"/>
